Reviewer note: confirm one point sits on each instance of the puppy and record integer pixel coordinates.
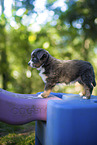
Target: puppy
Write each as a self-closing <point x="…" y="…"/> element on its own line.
<point x="55" y="71"/>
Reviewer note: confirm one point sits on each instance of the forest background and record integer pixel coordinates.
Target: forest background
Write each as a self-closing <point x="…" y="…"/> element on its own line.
<point x="65" y="28"/>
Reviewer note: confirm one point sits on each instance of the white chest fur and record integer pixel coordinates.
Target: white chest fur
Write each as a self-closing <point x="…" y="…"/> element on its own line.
<point x="43" y="76"/>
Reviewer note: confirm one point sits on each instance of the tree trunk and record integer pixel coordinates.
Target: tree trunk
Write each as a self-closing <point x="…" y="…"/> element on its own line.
<point x="4" y="63"/>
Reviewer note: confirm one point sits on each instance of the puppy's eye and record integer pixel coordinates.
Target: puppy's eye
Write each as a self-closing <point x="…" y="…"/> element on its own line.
<point x="33" y="56"/>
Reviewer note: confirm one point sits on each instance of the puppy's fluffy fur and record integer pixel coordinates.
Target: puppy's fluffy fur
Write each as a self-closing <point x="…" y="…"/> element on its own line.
<point x="55" y="71"/>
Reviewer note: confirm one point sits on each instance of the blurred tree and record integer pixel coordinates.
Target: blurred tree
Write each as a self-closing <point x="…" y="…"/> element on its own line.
<point x="19" y="50"/>
<point x="28" y="5"/>
<point x="77" y="25"/>
<point x="82" y="15"/>
<point x="85" y="14"/>
<point x="4" y="66"/>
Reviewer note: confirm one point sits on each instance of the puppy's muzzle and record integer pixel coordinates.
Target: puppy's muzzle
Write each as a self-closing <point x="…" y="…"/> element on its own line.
<point x="30" y="63"/>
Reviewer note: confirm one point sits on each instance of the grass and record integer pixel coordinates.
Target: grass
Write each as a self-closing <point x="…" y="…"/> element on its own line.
<point x="17" y="135"/>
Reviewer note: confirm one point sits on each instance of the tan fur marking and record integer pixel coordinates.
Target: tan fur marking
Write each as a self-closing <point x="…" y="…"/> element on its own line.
<point x="45" y="94"/>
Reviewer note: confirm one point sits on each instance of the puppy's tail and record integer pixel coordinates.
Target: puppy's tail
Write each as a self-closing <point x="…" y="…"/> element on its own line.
<point x="93" y="80"/>
<point x="94" y="83"/>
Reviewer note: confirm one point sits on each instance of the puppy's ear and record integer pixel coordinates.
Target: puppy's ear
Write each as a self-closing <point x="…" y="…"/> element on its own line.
<point x="42" y="56"/>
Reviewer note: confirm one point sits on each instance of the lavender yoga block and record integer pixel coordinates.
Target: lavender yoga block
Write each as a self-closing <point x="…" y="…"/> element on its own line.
<point x="22" y="108"/>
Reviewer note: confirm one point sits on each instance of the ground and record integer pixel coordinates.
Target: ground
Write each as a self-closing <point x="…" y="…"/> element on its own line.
<point x="17" y="135"/>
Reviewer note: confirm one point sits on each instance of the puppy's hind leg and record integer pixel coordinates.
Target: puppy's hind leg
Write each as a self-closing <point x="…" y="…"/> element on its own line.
<point x="83" y="92"/>
<point x="86" y="79"/>
<point x="87" y="92"/>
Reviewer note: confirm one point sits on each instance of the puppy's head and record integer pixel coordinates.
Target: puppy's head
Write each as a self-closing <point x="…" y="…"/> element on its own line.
<point x="38" y="58"/>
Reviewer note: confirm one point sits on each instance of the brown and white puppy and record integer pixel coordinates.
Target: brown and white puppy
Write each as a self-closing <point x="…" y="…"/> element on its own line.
<point x="55" y="71"/>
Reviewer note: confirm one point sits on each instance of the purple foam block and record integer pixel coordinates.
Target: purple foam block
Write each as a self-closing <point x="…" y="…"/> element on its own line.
<point x="22" y="108"/>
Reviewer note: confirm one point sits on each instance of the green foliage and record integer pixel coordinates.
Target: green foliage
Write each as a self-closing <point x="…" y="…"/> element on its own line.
<point x="70" y="34"/>
<point x="84" y="14"/>
<point x="15" y="139"/>
<point x="28" y="5"/>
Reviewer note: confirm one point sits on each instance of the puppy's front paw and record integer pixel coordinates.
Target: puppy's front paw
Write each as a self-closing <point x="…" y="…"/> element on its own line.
<point x="40" y="96"/>
<point x="44" y="95"/>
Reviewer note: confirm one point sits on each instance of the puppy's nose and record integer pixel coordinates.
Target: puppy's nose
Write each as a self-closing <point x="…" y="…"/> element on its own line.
<point x="28" y="63"/>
